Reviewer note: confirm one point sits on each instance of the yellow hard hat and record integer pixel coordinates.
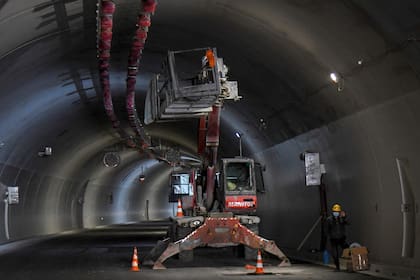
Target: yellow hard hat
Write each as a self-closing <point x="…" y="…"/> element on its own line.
<point x="336" y="208"/>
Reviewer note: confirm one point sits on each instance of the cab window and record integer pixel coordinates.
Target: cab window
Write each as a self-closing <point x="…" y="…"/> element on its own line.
<point x="238" y="177"/>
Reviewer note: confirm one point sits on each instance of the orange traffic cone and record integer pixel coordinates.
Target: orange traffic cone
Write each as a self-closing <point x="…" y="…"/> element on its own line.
<point x="259" y="269"/>
<point x="135" y="262"/>
<point x="179" y="209"/>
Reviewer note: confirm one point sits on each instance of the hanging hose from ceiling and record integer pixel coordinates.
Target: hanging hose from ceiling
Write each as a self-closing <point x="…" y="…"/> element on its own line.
<point x="105" y="22"/>
<point x="106" y="9"/>
<point x="137" y="46"/>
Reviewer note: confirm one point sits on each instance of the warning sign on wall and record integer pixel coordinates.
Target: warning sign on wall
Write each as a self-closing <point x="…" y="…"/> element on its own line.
<point x="313" y="169"/>
<point x="13" y="195"/>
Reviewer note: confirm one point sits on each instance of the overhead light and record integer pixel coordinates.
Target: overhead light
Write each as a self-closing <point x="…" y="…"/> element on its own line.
<point x="337" y="79"/>
<point x="239" y="135"/>
<point x="334" y="77"/>
<point x="262" y="124"/>
<point x="142" y="178"/>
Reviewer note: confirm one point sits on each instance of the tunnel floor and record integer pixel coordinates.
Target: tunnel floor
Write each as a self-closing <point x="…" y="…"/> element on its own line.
<point x="106" y="253"/>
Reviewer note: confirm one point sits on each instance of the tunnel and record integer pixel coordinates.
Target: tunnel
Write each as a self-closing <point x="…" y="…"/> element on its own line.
<point x="340" y="79"/>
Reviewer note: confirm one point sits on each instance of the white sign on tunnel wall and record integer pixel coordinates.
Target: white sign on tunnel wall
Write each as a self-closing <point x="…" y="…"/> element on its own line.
<point x="313" y="169"/>
<point x="13" y="195"/>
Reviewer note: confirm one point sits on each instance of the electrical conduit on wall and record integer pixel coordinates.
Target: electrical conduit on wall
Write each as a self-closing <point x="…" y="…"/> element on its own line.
<point x="3" y="193"/>
<point x="408" y="210"/>
<point x="6" y="219"/>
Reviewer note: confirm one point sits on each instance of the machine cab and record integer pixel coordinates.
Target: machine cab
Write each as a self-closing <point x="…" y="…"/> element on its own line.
<point x="239" y="185"/>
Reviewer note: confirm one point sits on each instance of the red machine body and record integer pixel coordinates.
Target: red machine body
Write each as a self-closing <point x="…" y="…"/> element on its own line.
<point x="231" y="183"/>
<point x="238" y="203"/>
<point x="239" y="186"/>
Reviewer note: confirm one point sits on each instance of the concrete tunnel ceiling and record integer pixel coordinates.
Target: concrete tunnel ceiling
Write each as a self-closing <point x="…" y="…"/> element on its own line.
<point x="280" y="52"/>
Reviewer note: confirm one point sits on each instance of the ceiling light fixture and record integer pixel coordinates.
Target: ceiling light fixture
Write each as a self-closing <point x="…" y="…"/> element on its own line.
<point x="334" y="77"/>
<point x="142" y="176"/>
<point x="239" y="136"/>
<point x="337" y="79"/>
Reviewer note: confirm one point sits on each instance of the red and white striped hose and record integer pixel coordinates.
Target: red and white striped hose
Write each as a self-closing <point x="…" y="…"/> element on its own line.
<point x="137" y="46"/>
<point x="105" y="16"/>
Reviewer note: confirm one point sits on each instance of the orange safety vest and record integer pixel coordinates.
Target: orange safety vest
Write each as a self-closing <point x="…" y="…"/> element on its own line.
<point x="210" y="58"/>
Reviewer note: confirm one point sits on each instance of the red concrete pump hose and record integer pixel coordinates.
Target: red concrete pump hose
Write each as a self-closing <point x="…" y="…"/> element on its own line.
<point x="139" y="40"/>
<point x="106" y="12"/>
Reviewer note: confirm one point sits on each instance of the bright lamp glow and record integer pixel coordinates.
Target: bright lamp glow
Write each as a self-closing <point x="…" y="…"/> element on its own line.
<point x="337" y="79"/>
<point x="239" y="135"/>
<point x="334" y="77"/>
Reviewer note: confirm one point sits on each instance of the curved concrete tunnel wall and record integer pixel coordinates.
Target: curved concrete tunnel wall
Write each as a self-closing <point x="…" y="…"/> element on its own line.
<point x="362" y="176"/>
<point x="281" y="53"/>
<point x="118" y="197"/>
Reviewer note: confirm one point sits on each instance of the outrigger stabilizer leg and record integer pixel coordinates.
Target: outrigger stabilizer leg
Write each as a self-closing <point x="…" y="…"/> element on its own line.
<point x="220" y="232"/>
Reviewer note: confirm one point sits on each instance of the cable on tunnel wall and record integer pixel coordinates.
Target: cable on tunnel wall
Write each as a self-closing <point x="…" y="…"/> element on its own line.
<point x="137" y="46"/>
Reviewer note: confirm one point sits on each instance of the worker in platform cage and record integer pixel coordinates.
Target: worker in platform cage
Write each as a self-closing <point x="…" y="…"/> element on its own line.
<point x="336" y="230"/>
